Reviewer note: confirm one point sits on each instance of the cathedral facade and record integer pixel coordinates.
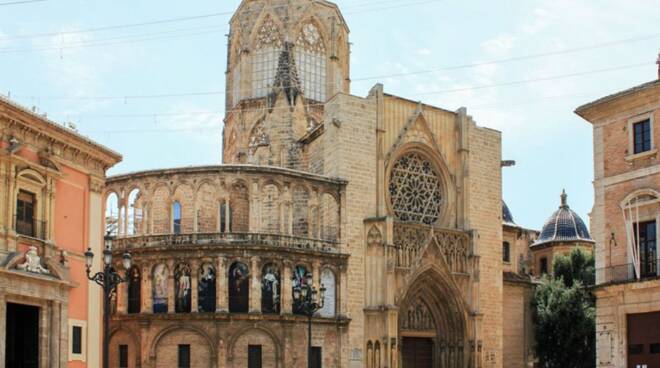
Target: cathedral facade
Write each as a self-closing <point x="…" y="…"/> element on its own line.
<point x="392" y="205"/>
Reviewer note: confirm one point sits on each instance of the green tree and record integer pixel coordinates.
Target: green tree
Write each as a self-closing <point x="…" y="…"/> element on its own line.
<point x="577" y="266"/>
<point x="565" y="315"/>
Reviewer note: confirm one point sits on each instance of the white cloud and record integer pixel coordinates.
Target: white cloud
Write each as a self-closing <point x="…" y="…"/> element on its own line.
<point x="194" y="123"/>
<point x="499" y="45"/>
<point x="423" y="52"/>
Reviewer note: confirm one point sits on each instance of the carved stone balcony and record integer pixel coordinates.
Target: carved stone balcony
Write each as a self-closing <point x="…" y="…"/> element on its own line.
<point x="227" y="240"/>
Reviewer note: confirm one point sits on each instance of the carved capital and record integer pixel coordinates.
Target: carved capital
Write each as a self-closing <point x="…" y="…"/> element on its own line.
<point x="96" y="184"/>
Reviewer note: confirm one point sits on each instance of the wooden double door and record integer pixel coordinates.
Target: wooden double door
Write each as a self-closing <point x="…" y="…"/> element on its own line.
<point x="643" y="340"/>
<point x="417" y="352"/>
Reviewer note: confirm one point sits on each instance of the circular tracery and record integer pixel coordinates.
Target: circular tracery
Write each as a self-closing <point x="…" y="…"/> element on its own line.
<point x="415" y="190"/>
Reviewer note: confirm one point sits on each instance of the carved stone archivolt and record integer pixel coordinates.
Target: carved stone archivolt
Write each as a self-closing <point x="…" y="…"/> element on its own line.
<point x="417" y="317"/>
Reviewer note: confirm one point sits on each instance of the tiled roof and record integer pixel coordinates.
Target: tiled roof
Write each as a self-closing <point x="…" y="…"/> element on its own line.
<point x="563" y="226"/>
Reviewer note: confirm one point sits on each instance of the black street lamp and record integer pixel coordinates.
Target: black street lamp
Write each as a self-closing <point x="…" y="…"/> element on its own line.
<point x="306" y="302"/>
<point x="108" y="279"/>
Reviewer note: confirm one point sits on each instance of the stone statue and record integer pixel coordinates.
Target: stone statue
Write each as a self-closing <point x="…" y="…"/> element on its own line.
<point x="33" y="262"/>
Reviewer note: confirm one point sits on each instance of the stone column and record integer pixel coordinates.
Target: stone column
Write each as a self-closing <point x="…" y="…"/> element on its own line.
<point x="286" y="297"/>
<point x="122" y="298"/>
<point x="146" y="293"/>
<point x="342" y="290"/>
<point x="316" y="275"/>
<point x="255" y="286"/>
<point x="194" y="290"/>
<point x="221" y="302"/>
<point x="171" y="295"/>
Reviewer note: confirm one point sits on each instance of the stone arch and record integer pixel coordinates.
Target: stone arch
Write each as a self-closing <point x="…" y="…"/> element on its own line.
<point x="642" y="196"/>
<point x="301" y="197"/>
<point x="183" y="193"/>
<point x="310" y="18"/>
<point x="207" y="207"/>
<point x="270" y="207"/>
<point x="201" y="335"/>
<point x="439" y="165"/>
<point x="239" y="203"/>
<point x="329" y="215"/>
<point x="111" y="209"/>
<point x="160" y="209"/>
<point x="446" y="322"/>
<point x="123" y="335"/>
<point x="262" y="20"/>
<point x="32" y="175"/>
<point x="262" y="336"/>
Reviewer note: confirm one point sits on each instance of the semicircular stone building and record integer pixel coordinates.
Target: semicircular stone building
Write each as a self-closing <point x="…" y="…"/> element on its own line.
<point x="392" y="205"/>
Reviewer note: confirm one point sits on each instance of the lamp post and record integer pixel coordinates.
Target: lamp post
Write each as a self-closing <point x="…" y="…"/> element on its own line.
<point x="308" y="301"/>
<point x="108" y="279"/>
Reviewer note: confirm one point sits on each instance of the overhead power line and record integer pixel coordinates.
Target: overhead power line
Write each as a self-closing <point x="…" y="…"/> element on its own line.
<point x="21" y="2"/>
<point x="127" y="98"/>
<point x="178" y="20"/>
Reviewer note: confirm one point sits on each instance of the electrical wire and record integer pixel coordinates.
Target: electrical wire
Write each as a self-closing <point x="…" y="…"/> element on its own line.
<point x="21" y="2"/>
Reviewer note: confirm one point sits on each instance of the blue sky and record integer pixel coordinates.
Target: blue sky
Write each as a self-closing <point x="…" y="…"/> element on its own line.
<point x="577" y="57"/>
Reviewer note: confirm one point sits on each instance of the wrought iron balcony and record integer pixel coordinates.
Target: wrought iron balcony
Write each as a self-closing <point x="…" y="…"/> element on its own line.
<point x="34" y="228"/>
<point x="276" y="241"/>
<point x="626" y="273"/>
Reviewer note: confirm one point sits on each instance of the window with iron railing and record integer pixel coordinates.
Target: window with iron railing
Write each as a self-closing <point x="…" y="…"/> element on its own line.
<point x="25" y="220"/>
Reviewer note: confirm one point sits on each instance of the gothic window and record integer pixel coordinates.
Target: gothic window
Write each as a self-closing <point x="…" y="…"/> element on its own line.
<point x="310" y="59"/>
<point x="182" y="289"/>
<point x="300" y="277"/>
<point x="159" y="294"/>
<point x="176" y="217"/>
<point x="506" y="252"/>
<point x="264" y="62"/>
<point x="415" y="190"/>
<point x="270" y="289"/>
<point x="112" y="215"/>
<point x="134" y="286"/>
<point x="206" y="288"/>
<point x="328" y="281"/>
<point x="134" y="213"/>
<point x="239" y="293"/>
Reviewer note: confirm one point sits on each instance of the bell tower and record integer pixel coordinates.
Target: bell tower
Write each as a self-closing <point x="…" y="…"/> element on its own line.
<point x="285" y="59"/>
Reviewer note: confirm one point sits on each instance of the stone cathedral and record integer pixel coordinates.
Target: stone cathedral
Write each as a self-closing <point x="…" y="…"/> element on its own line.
<point x="394" y="206"/>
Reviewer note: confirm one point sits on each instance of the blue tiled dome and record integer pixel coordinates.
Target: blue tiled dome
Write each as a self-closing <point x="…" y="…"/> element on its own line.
<point x="564" y="226"/>
<point x="507" y="217"/>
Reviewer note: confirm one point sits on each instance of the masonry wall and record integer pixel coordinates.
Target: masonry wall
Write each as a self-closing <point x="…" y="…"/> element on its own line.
<point x="516" y="324"/>
<point x="485" y="217"/>
<point x="350" y="153"/>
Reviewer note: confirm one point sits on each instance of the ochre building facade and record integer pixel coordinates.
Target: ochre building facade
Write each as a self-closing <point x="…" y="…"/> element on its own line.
<point x="392" y="205"/>
<point x="624" y="224"/>
<point x="51" y="208"/>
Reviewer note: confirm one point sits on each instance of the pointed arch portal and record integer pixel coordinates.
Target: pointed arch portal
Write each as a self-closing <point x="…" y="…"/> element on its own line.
<point x="433" y="323"/>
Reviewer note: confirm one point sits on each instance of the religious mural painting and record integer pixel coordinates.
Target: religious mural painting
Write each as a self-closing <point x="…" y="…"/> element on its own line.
<point x="134" y="286"/>
<point x="328" y="282"/>
<point x="160" y="289"/>
<point x="301" y="276"/>
<point x="206" y="288"/>
<point x="270" y="289"/>
<point x="182" y="289"/>
<point x="239" y="288"/>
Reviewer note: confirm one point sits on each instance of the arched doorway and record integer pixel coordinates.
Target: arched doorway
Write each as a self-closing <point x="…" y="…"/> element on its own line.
<point x="432" y="323"/>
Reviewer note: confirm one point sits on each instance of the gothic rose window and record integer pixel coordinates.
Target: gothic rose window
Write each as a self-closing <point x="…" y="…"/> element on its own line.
<point x="270" y="289"/>
<point x="182" y="288"/>
<point x="415" y="190"/>
<point x="239" y="293"/>
<point x="206" y="288"/>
